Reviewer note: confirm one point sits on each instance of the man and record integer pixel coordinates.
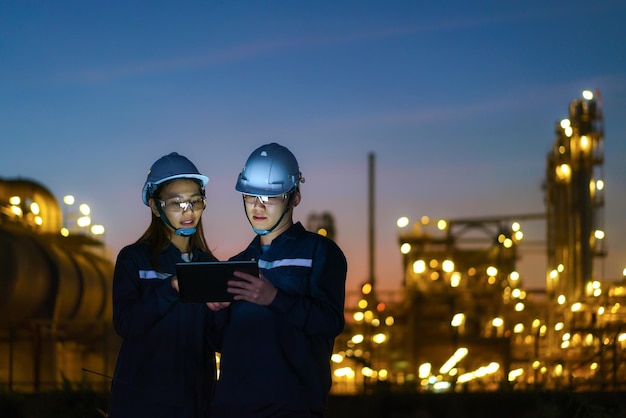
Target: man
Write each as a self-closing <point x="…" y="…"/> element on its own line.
<point x="280" y="330"/>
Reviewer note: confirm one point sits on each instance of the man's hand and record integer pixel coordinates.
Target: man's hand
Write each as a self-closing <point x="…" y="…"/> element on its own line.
<point x="253" y="289"/>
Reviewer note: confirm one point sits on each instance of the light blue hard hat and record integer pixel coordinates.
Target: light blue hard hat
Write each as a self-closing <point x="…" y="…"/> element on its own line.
<point x="271" y="170"/>
<point x="170" y="167"/>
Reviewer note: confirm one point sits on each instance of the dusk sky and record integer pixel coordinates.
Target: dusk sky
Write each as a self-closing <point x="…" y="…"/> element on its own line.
<point x="458" y="101"/>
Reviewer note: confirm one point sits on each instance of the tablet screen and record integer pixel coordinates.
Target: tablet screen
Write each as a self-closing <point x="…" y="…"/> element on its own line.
<point x="207" y="281"/>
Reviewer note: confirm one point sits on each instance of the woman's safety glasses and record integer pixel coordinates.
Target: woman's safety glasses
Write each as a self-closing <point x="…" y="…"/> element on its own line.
<point x="176" y="205"/>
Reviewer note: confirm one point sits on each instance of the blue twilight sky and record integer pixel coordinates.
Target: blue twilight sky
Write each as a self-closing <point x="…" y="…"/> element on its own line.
<point x="458" y="100"/>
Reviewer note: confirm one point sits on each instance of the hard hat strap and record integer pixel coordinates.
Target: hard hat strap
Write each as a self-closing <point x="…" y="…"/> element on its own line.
<point x="267" y="231"/>
<point x="183" y="232"/>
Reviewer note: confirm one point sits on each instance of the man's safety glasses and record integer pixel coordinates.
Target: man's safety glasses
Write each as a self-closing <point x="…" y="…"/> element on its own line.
<point x="251" y="199"/>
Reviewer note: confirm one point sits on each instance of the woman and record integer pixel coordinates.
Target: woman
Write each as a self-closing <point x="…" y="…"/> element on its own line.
<point x="166" y="363"/>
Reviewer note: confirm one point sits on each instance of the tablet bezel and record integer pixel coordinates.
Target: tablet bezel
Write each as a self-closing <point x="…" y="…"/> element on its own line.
<point x="207" y="281"/>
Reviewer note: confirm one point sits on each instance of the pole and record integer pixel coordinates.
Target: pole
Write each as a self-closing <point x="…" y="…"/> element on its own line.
<point x="371" y="219"/>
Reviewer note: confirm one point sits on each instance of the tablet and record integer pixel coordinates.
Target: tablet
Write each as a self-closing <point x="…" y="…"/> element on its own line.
<point x="207" y="281"/>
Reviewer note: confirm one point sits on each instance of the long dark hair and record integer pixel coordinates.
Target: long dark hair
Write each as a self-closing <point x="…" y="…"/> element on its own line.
<point x="157" y="236"/>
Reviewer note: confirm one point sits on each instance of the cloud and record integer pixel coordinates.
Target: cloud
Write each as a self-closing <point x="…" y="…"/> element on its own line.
<point x="261" y="48"/>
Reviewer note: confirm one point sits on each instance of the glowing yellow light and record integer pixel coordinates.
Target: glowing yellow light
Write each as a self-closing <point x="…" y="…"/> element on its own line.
<point x="389" y="321"/>
<point x="366" y="289"/>
<point x="322" y="231"/>
<point x="38" y="220"/>
<point x="336" y="358"/>
<point x="419" y="266"/>
<point x="425" y="220"/>
<point x="587" y="95"/>
<point x="15" y="200"/>
<point x="599" y="184"/>
<point x="584" y="142"/>
<point x="358" y="338"/>
<point x="576" y="307"/>
<point x="97" y="229"/>
<point x="65" y="232"/>
<point x="84" y="209"/>
<point x="514" y="276"/>
<point x="402" y="222"/>
<point x="442" y="224"/>
<point x="34" y="208"/>
<point x="83" y="221"/>
<point x="598" y="234"/>
<point x="358" y="316"/>
<point x="514" y="374"/>
<point x="447" y="266"/>
<point x="492" y="271"/>
<point x="424" y="370"/>
<point x="346" y="372"/>
<point x="68" y="199"/>
<point x="565" y="123"/>
<point x="366" y="371"/>
<point x="362" y="304"/>
<point x="457" y="319"/>
<point x="455" y="279"/>
<point x="368" y="316"/>
<point x="405" y="248"/>
<point x="497" y="322"/>
<point x="379" y="338"/>
<point x="563" y="172"/>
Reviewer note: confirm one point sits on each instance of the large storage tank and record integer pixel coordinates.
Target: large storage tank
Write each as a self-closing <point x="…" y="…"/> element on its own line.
<point x="55" y="294"/>
<point x="44" y="275"/>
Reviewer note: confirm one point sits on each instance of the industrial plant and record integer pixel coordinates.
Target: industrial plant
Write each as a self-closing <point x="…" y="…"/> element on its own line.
<point x="463" y="321"/>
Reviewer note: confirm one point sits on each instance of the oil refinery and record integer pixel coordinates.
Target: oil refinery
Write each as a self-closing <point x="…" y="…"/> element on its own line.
<point x="465" y="321"/>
